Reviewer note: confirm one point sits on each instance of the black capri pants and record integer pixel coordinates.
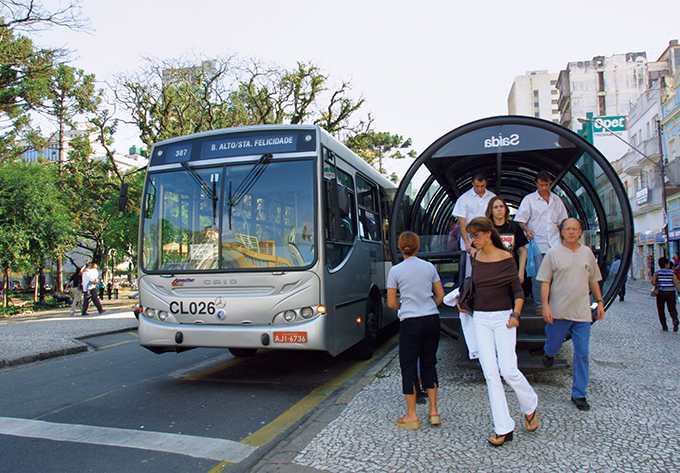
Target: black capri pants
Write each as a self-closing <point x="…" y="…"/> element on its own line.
<point x="419" y="341"/>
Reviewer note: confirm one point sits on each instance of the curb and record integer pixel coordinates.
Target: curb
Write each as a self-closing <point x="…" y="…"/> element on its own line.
<point x="7" y="362"/>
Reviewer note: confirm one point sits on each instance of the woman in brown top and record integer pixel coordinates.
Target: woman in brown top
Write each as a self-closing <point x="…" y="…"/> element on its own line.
<point x="496" y="320"/>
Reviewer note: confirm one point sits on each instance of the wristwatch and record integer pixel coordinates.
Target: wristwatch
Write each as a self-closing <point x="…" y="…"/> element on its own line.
<point x="515" y="315"/>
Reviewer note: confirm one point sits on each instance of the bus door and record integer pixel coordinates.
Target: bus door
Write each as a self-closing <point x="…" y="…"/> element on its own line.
<point x="346" y="276"/>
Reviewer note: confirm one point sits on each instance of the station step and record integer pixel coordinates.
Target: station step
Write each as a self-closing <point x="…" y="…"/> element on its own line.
<point x="524" y="363"/>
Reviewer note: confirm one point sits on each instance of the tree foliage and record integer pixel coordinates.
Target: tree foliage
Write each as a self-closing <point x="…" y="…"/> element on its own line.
<point x="32" y="15"/>
<point x="24" y="76"/>
<point x="34" y="222"/>
<point x="173" y="98"/>
<point x="376" y="146"/>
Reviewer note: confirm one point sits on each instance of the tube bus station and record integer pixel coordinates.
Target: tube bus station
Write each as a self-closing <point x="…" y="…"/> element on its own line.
<point x="511" y="150"/>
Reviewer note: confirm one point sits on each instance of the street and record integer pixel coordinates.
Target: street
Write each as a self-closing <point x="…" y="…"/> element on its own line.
<point x="66" y="414"/>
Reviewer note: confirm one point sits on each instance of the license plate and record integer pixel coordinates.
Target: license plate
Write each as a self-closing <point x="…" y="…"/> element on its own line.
<point x="290" y="337"/>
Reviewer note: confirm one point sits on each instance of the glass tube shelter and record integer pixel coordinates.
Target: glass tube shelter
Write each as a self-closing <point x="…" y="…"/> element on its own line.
<point x="511" y="150"/>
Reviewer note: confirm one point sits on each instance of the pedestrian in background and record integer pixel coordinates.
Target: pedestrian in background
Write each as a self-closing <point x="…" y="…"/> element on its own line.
<point x="75" y="283"/>
<point x="569" y="273"/>
<point x="421" y="291"/>
<point x="109" y="289"/>
<point x="116" y="288"/>
<point x="90" y="289"/>
<point x="613" y="271"/>
<point x="666" y="282"/>
<point x="496" y="318"/>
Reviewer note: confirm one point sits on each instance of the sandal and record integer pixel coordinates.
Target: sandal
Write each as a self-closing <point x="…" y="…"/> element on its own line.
<point x="498" y="440"/>
<point x="415" y="425"/>
<point x="531" y="421"/>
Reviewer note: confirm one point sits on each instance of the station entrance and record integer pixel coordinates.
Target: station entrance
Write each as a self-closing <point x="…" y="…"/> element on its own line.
<point x="511" y="150"/>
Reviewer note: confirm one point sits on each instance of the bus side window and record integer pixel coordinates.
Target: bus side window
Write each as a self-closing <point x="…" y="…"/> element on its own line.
<point x="339" y="214"/>
<point x="369" y="216"/>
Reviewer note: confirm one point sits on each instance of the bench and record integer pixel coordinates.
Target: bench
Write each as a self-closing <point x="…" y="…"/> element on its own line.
<point x="19" y="305"/>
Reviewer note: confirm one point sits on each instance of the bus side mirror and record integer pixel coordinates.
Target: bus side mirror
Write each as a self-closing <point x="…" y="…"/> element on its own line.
<point x="123" y="197"/>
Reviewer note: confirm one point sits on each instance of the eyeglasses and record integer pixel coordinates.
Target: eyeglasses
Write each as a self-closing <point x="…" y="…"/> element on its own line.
<point x="476" y="235"/>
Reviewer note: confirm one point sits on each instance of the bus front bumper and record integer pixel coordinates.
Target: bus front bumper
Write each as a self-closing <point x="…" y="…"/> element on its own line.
<point x="161" y="337"/>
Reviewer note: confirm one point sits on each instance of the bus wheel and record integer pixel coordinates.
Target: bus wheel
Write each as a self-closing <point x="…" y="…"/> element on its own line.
<point x="364" y="349"/>
<point x="242" y="352"/>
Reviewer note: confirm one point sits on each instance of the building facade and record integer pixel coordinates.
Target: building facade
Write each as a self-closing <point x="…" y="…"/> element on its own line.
<point x="603" y="86"/>
<point x="670" y="123"/>
<point x="535" y="95"/>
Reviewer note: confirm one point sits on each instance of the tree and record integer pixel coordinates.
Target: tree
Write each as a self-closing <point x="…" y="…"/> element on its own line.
<point x="375" y="146"/>
<point x="34" y="222"/>
<point x="70" y="93"/>
<point x="174" y="98"/>
<point x="24" y="76"/>
<point x="26" y="71"/>
<point x="32" y="15"/>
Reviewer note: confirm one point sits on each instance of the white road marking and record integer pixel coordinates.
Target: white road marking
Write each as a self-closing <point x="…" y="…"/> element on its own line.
<point x="191" y="445"/>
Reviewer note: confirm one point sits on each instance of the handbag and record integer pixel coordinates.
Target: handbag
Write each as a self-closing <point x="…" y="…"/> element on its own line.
<point x="655" y="291"/>
<point x="466" y="299"/>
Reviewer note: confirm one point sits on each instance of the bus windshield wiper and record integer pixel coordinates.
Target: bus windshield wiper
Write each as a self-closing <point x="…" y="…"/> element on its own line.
<point x="209" y="193"/>
<point x="248" y="182"/>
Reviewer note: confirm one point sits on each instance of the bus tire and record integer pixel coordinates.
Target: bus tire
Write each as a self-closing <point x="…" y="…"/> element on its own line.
<point x="243" y="352"/>
<point x="365" y="348"/>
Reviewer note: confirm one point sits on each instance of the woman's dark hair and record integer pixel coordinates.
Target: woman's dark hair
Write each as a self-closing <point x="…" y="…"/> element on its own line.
<point x="409" y="243"/>
<point x="483" y="224"/>
<point x="663" y="262"/>
<point x="489" y="208"/>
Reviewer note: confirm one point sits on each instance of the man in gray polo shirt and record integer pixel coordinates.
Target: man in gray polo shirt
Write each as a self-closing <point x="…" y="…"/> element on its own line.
<point x="568" y="274"/>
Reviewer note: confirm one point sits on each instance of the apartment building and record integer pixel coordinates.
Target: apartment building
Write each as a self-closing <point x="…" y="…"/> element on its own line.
<point x="535" y="95"/>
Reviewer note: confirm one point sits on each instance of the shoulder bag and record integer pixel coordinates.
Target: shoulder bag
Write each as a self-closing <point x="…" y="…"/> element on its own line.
<point x="467" y="291"/>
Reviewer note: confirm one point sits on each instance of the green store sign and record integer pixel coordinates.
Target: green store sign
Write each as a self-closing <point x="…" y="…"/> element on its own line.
<point x="604" y="124"/>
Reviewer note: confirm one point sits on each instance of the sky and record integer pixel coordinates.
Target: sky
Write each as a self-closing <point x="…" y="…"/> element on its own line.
<point x="424" y="68"/>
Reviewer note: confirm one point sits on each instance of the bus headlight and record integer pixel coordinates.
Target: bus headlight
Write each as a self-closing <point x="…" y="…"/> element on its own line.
<point x="162" y="315"/>
<point x="150" y="313"/>
<point x="307" y="313"/>
<point x="289" y="315"/>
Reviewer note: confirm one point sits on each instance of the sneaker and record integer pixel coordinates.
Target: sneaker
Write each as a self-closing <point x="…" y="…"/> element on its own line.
<point x="581" y="403"/>
<point x="675" y="327"/>
<point x="104" y="310"/>
<point x="421" y="397"/>
<point x="548" y="361"/>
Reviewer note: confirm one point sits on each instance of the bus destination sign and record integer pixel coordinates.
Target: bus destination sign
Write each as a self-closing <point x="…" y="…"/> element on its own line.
<point x="249" y="145"/>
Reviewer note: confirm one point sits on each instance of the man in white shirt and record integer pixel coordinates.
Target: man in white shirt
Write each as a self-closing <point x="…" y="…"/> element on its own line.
<point x="90" y="280"/>
<point x="540" y="215"/>
<point x="472" y="204"/>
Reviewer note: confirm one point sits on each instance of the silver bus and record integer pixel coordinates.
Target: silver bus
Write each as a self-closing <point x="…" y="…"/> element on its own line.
<point x="270" y="236"/>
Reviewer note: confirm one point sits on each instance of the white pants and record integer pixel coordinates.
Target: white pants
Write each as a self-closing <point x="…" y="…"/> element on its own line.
<point x="496" y="344"/>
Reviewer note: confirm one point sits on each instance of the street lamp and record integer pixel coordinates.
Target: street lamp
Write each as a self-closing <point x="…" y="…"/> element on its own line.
<point x="658" y="164"/>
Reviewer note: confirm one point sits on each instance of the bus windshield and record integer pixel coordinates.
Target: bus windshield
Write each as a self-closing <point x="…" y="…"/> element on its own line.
<point x="238" y="216"/>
